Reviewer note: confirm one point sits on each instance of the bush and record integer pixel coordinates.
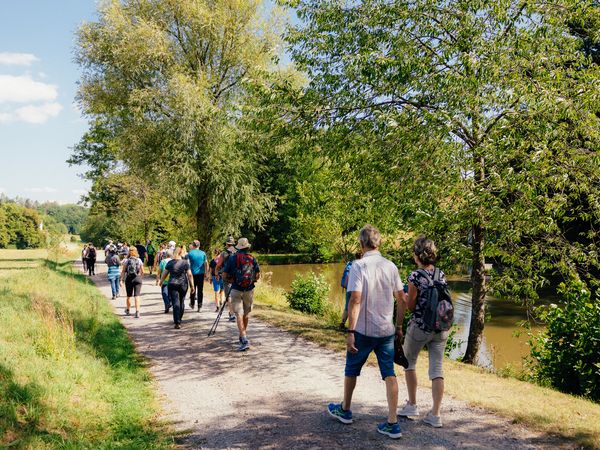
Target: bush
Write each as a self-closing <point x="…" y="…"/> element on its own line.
<point x="566" y="355"/>
<point x="308" y="293"/>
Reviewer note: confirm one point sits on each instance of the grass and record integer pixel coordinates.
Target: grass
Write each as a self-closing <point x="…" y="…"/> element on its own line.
<point x="540" y="408"/>
<point x="69" y="374"/>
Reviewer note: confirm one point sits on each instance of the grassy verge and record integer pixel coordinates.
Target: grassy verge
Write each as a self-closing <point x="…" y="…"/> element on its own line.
<point x="69" y="374"/>
<point x="540" y="408"/>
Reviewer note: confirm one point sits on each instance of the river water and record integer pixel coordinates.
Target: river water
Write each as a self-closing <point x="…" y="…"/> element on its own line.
<point x="500" y="346"/>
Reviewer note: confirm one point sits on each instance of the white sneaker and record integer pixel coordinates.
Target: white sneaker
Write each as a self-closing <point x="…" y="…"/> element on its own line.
<point x="409" y="411"/>
<point x="434" y="421"/>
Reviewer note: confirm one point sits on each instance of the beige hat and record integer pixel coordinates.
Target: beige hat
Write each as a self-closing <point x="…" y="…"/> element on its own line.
<point x="242" y="243"/>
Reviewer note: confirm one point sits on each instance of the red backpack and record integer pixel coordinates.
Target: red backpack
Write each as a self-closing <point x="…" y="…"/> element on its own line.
<point x="244" y="273"/>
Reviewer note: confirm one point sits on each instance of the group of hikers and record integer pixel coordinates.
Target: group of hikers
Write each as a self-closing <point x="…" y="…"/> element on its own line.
<point x="232" y="271"/>
<point x="376" y="303"/>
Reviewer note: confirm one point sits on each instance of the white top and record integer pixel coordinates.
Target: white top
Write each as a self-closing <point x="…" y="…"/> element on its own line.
<point x="376" y="278"/>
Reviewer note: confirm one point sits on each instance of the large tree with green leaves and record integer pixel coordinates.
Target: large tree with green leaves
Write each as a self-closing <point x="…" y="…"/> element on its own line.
<point x="165" y="80"/>
<point x="480" y="119"/>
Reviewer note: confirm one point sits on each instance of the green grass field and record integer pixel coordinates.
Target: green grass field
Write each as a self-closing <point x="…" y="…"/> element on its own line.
<point x="69" y="374"/>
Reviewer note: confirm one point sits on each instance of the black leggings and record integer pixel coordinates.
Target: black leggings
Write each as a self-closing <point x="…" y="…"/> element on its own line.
<point x="199" y="292"/>
<point x="177" y="299"/>
<point x="91" y="263"/>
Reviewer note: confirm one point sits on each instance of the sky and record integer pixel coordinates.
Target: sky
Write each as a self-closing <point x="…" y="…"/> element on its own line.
<point x="39" y="122"/>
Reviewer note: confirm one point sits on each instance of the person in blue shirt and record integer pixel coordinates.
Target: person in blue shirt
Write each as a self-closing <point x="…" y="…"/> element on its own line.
<point x="242" y="271"/>
<point x="199" y="266"/>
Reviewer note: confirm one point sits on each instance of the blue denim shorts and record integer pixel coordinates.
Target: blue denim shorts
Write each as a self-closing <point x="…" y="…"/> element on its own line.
<point x="383" y="348"/>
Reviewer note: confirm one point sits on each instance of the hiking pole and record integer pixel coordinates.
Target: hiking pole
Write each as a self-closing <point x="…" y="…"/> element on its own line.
<point x="215" y="324"/>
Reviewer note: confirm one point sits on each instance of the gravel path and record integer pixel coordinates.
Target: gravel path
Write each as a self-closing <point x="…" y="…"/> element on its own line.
<point x="274" y="396"/>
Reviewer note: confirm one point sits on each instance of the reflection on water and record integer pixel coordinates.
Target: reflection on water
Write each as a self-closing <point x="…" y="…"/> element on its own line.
<point x="500" y="346"/>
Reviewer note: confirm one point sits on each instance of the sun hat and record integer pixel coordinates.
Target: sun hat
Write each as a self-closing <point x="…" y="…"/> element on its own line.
<point x="242" y="243"/>
<point x="230" y="241"/>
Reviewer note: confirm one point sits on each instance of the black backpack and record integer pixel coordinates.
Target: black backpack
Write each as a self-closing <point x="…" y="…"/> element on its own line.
<point x="91" y="254"/>
<point x="438" y="312"/>
<point x="132" y="267"/>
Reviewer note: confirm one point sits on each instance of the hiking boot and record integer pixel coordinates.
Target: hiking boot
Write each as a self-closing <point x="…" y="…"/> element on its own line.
<point x="409" y="411"/>
<point x="137" y="315"/>
<point x="244" y="344"/>
<point x="390" y="429"/>
<point x="177" y="326"/>
<point x="434" y="421"/>
<point x="126" y="312"/>
<point x="335" y="410"/>
<point x="166" y="310"/>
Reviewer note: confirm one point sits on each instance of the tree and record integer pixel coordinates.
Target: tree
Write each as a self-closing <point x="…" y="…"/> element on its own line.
<point x="165" y="80"/>
<point x="20" y="226"/>
<point x="482" y="122"/>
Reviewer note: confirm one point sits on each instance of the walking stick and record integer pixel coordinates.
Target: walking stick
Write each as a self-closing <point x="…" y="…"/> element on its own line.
<point x="215" y="324"/>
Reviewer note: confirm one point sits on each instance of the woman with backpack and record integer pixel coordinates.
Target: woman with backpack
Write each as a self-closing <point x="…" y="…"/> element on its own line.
<point x="180" y="277"/>
<point x="421" y="332"/>
<point x="114" y="272"/>
<point x="90" y="259"/>
<point x="132" y="271"/>
<point x="217" y="279"/>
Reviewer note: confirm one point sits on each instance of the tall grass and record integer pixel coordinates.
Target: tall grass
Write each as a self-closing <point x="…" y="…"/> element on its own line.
<point x="69" y="375"/>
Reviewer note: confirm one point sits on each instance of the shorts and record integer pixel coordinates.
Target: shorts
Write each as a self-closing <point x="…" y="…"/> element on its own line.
<point x="416" y="339"/>
<point x="217" y="283"/>
<point x="241" y="301"/>
<point x="133" y="286"/>
<point x="383" y="348"/>
<point x="150" y="260"/>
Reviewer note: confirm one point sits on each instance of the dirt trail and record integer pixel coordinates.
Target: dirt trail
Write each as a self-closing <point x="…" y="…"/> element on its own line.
<point x="275" y="395"/>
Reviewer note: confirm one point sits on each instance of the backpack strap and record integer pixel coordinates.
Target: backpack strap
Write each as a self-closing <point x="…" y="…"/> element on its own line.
<point x="437" y="277"/>
<point x="426" y="275"/>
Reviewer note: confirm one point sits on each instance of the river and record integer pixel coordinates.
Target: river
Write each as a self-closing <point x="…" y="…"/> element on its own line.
<point x="500" y="346"/>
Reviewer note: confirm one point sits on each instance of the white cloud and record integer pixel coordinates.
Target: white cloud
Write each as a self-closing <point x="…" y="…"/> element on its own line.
<point x="79" y="191"/>
<point x="44" y="190"/>
<point x="24" y="89"/>
<point x="32" y="113"/>
<point x="17" y="59"/>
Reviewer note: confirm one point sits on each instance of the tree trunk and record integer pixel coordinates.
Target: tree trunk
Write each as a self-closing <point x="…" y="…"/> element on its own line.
<point x="203" y="222"/>
<point x="478" y="297"/>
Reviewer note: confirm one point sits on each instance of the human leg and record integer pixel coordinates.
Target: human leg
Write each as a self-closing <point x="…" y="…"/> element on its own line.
<point x="176" y="302"/>
<point x="137" y="288"/>
<point x="129" y="289"/>
<point x="164" y="290"/>
<point x="436" y="349"/>
<point x="384" y="351"/>
<point x="437" y="392"/>
<point x="199" y="288"/>
<point x="414" y="341"/>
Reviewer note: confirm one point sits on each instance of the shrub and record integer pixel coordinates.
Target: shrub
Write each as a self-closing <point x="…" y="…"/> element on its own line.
<point x="308" y="293"/>
<point x="566" y="355"/>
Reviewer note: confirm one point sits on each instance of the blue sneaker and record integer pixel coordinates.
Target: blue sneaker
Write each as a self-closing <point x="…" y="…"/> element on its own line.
<point x="390" y="429"/>
<point x="244" y="344"/>
<point x="335" y="410"/>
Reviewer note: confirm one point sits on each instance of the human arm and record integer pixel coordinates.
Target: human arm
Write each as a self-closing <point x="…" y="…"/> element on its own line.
<point x="400" y="297"/>
<point x="165" y="274"/>
<point x="190" y="278"/>
<point x="413" y="293"/>
<point x="353" y="311"/>
<point x="206" y="270"/>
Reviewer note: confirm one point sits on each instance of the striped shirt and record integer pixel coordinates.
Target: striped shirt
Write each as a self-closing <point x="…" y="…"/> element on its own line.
<point x="376" y="278"/>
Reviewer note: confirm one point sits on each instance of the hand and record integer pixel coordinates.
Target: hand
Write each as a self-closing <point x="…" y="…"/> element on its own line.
<point x="350" y="343"/>
<point x="399" y="332"/>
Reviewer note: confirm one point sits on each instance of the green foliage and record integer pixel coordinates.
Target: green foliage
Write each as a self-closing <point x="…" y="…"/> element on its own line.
<point x="566" y="355"/>
<point x="309" y="293"/>
<point x="71" y="216"/>
<point x="19" y="226"/>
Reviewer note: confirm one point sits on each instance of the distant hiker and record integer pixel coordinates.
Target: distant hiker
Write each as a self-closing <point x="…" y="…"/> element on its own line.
<point x="132" y="271"/>
<point x="373" y="282"/>
<point x="221" y="261"/>
<point x="141" y="251"/>
<point x="124" y="251"/>
<point x="421" y="331"/>
<point x="114" y="270"/>
<point x="151" y="251"/>
<point x="217" y="279"/>
<point x="242" y="271"/>
<point x="107" y="248"/>
<point x="344" y="284"/>
<point x="90" y="259"/>
<point x="164" y="286"/>
<point x="83" y="257"/>
<point x="199" y="267"/>
<point x="180" y="277"/>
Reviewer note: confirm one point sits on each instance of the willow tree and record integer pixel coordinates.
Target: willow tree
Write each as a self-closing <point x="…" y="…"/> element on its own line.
<point x="167" y="78"/>
<point x="481" y="122"/>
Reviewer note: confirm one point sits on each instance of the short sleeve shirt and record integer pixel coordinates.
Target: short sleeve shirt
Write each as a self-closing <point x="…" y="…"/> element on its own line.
<point x="376" y="278"/>
<point x="161" y="267"/>
<point x="138" y="265"/>
<point x="177" y="269"/>
<point x="421" y="282"/>
<point x="197" y="258"/>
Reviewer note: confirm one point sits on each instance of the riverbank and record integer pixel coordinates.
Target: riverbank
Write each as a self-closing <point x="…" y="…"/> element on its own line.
<point x="70" y="376"/>
<point x="540" y="408"/>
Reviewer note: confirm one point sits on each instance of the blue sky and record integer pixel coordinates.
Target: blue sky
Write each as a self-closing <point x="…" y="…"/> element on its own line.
<point x="38" y="119"/>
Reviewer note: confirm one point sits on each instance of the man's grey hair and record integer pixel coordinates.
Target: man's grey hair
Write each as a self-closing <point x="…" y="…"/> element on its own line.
<point x="369" y="236"/>
<point x="170" y="253"/>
